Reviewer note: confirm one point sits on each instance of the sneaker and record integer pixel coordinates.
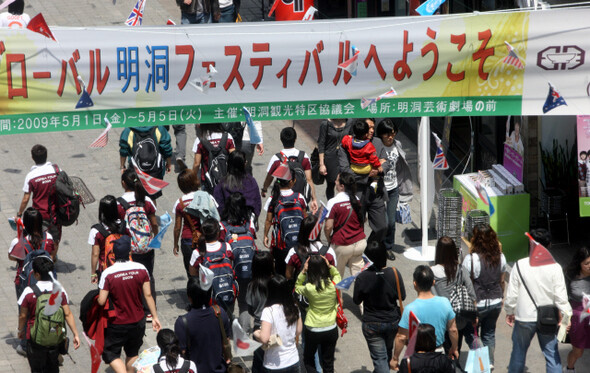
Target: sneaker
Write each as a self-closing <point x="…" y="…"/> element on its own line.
<point x="148" y="317"/>
<point x="21" y="351"/>
<point x="491" y="367"/>
<point x="570" y="370"/>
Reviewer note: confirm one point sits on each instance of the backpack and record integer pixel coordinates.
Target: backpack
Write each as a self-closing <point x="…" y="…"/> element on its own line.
<point x="217" y="162"/>
<point x="296" y="166"/>
<point x="236" y="130"/>
<point x="183" y="369"/>
<point x="145" y="151"/>
<point x="241" y="240"/>
<point x="109" y="239"/>
<point x="25" y="276"/>
<point x="224" y="284"/>
<point x="202" y="206"/>
<point x="138" y="225"/>
<point x="47" y="331"/>
<point x="67" y="199"/>
<point x="288" y="216"/>
<point x="303" y="257"/>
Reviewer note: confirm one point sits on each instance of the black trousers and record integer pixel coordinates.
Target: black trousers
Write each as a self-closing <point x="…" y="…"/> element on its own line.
<point x="42" y="359"/>
<point x="326" y="341"/>
<point x="147" y="260"/>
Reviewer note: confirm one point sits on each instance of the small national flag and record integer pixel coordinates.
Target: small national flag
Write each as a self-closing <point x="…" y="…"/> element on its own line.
<point x="170" y="22"/>
<point x="429" y="7"/>
<point x="539" y="255"/>
<point x="351" y="64"/>
<point x="38" y="24"/>
<point x="6" y="3"/>
<point x="102" y="140"/>
<point x="283" y="171"/>
<point x="95" y="355"/>
<point x="254" y="136"/>
<point x="440" y="161"/>
<point x="366" y="102"/>
<point x="554" y="99"/>
<point x="85" y="100"/>
<point x="586" y="306"/>
<point x="483" y="194"/>
<point x="136" y="16"/>
<point x="347" y="282"/>
<point x="324" y="214"/>
<point x="54" y="301"/>
<point x="387" y="94"/>
<point x="309" y="14"/>
<point x="152" y="185"/>
<point x="203" y="83"/>
<point x="512" y="58"/>
<point x="244" y="346"/>
<point x="412" y="333"/>
<point x="205" y="277"/>
<point x="317" y="229"/>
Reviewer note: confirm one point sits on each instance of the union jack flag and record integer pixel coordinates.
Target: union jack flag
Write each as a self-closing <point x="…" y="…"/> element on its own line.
<point x="102" y="140"/>
<point x="136" y="15"/>
<point x="152" y="185"/>
<point x="512" y="58"/>
<point x="440" y="161"/>
<point x="366" y="102"/>
<point x="351" y="64"/>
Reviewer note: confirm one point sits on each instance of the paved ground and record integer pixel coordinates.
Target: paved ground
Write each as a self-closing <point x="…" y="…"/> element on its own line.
<point x="100" y="171"/>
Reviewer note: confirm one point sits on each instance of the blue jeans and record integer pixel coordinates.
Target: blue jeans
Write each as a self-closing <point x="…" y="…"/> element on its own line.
<point x="487" y="318"/>
<point x="380" y="338"/>
<point x="391" y="208"/>
<point x="195" y="18"/>
<point x="227" y="14"/>
<point x="522" y="335"/>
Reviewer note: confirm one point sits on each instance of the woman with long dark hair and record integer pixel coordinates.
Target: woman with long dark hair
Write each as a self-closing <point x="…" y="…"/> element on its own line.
<point x="263" y="269"/>
<point x="238" y="179"/>
<point x="170" y="360"/>
<point x="344" y="225"/>
<point x="487" y="267"/>
<point x="211" y="134"/>
<point x="109" y="223"/>
<point x="280" y="319"/>
<point x="425" y="358"/>
<point x="578" y="284"/>
<point x="317" y="282"/>
<point x="329" y="142"/>
<point x="186" y="227"/>
<point x="448" y="274"/>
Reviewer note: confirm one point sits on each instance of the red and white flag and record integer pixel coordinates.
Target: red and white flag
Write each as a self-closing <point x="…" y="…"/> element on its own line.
<point x="317" y="229"/>
<point x="539" y="255"/>
<point x="55" y="299"/>
<point x="170" y="22"/>
<point x="351" y="64"/>
<point x="512" y="58"/>
<point x="244" y="346"/>
<point x="413" y="333"/>
<point x="152" y="185"/>
<point x="38" y="24"/>
<point x="309" y="14"/>
<point x="103" y="139"/>
<point x="95" y="355"/>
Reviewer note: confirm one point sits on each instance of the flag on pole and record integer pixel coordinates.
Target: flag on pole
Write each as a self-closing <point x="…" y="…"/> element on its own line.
<point x="254" y="136"/>
<point x="586" y="306"/>
<point x="170" y="22"/>
<point x="366" y="102"/>
<point x="38" y="24"/>
<point x="204" y="83"/>
<point x="102" y="140"/>
<point x="347" y="282"/>
<point x="317" y="229"/>
<point x="554" y="99"/>
<point x="429" y="7"/>
<point x="512" y="58"/>
<point x="136" y="16"/>
<point x="205" y="277"/>
<point x="95" y="354"/>
<point x="412" y="333"/>
<point x="440" y="161"/>
<point x="85" y="100"/>
<point x="244" y="346"/>
<point x="324" y="214"/>
<point x="309" y="14"/>
<point x="55" y="299"/>
<point x="164" y="222"/>
<point x="483" y="194"/>
<point x="152" y="185"/>
<point x="351" y="64"/>
<point x="539" y="255"/>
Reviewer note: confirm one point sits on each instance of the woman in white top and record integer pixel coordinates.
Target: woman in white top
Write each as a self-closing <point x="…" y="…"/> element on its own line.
<point x="281" y="321"/>
<point x="15" y="17"/>
<point x="170" y="360"/>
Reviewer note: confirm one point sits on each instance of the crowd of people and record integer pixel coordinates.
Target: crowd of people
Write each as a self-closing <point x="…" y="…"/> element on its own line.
<point x="286" y="292"/>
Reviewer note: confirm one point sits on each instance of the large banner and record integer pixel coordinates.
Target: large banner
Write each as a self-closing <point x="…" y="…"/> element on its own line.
<point x="455" y="65"/>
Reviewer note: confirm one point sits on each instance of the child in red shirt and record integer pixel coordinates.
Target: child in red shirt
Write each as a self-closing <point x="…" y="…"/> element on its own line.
<point x="362" y="152"/>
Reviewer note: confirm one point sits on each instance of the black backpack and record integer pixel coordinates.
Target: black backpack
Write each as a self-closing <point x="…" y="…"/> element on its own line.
<point x="145" y="152"/>
<point x="26" y="277"/>
<point x="67" y="200"/>
<point x="217" y="162"/>
<point x="296" y="166"/>
<point x="236" y="130"/>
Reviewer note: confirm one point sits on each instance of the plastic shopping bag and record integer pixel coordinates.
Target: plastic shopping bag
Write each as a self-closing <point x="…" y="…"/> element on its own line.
<point x="478" y="361"/>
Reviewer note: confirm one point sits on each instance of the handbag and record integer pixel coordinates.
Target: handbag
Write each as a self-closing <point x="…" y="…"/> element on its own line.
<point x="460" y="300"/>
<point x="547" y="315"/>
<point x="341" y="319"/>
<point x="225" y="344"/>
<point x="275" y="339"/>
<point x="403" y="214"/>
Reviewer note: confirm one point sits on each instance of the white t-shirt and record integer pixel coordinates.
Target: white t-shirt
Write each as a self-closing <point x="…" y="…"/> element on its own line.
<point x="293" y="152"/>
<point x="210" y="137"/>
<point x="390" y="178"/>
<point x="13" y="20"/>
<point x="285" y="193"/>
<point x="211" y="248"/>
<point x="477" y="271"/>
<point x="284" y="356"/>
<point x="162" y="362"/>
<point x="44" y="286"/>
<point x="314" y="247"/>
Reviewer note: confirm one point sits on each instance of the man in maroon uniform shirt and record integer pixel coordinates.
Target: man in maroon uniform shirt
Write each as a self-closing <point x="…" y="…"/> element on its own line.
<point x="40" y="182"/>
<point x="123" y="284"/>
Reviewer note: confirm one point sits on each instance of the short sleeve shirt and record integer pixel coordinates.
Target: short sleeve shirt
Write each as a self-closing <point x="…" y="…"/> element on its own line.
<point x="294" y="260"/>
<point x="214" y="138"/>
<point x="14" y="20"/>
<point x="39" y="182"/>
<point x="150" y="207"/>
<point x="124" y="282"/>
<point x="345" y="232"/>
<point x="293" y="152"/>
<point x="285" y="193"/>
<point x="178" y="211"/>
<point x="49" y="247"/>
<point x="213" y="247"/>
<point x="29" y="301"/>
<point x="436" y="311"/>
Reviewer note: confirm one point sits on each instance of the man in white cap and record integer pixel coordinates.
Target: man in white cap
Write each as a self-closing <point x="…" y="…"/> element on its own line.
<point x="123" y="284"/>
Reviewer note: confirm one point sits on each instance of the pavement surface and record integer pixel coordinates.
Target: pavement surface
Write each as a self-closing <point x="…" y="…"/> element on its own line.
<point x="99" y="168"/>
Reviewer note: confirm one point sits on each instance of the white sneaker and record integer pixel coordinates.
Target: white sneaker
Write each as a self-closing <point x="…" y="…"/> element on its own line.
<point x="568" y="370"/>
<point x="21" y="351"/>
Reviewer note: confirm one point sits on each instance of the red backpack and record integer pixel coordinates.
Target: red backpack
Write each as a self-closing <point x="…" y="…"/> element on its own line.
<point x="109" y="239"/>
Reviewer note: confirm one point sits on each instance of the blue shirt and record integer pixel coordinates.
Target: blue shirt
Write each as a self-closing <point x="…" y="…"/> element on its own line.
<point x="435" y="311"/>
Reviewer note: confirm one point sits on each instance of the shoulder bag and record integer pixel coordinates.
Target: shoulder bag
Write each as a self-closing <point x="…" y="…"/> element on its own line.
<point x="341" y="319"/>
<point x="225" y="344"/>
<point x="460" y="300"/>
